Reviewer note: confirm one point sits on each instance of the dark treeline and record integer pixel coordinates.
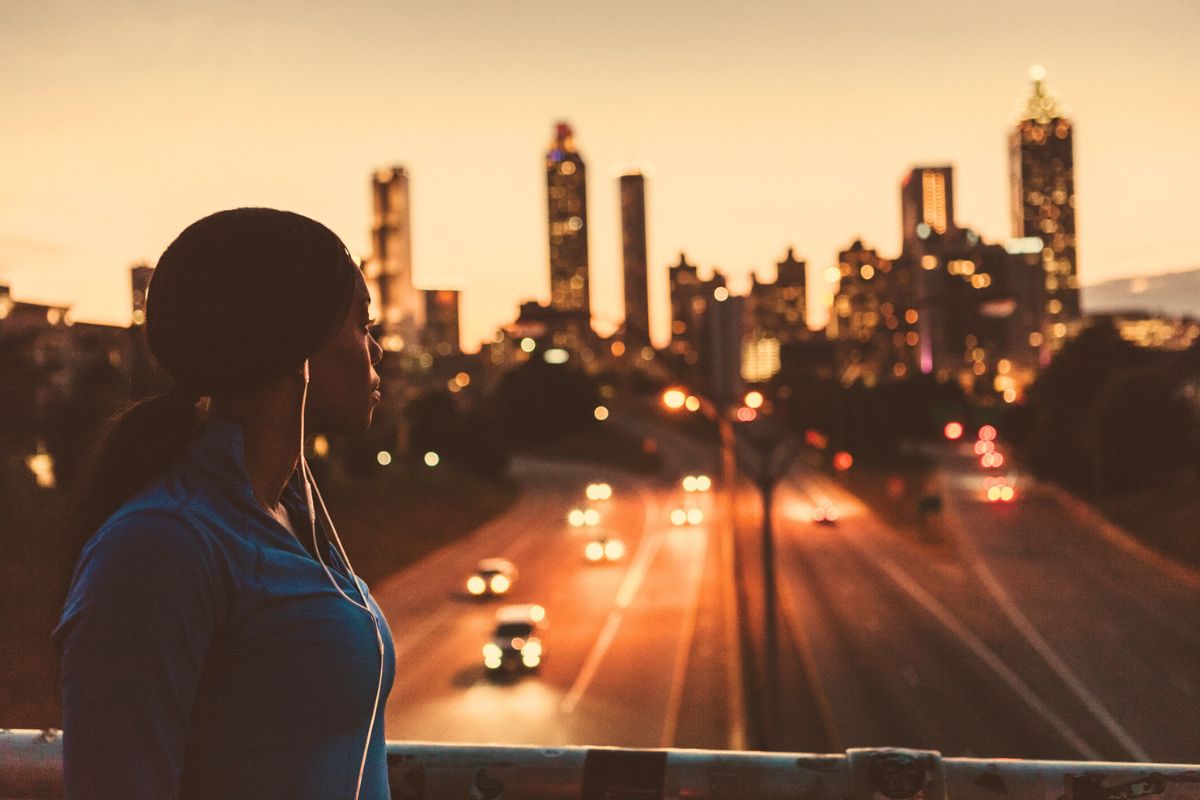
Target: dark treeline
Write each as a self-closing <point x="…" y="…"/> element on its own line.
<point x="1108" y="417"/>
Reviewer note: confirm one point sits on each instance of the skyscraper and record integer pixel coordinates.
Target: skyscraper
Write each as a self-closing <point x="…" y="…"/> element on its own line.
<point x="441" y="331"/>
<point x="927" y="205"/>
<point x="690" y="300"/>
<point x="566" y="189"/>
<point x="874" y="317"/>
<point x="1043" y="201"/>
<point x="779" y="309"/>
<point x="389" y="269"/>
<point x="633" y="254"/>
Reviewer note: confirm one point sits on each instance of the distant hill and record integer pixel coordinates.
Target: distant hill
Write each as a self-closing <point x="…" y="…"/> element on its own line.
<point x="1176" y="294"/>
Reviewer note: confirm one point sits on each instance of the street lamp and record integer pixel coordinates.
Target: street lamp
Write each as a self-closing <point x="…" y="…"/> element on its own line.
<point x="674" y="399"/>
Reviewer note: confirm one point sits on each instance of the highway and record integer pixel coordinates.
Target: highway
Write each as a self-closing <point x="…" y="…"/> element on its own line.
<point x="1028" y="630"/>
<point x="619" y="665"/>
<point x="1026" y="633"/>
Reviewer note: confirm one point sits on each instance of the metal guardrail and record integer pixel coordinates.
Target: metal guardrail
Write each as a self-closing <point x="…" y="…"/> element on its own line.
<point x="30" y="767"/>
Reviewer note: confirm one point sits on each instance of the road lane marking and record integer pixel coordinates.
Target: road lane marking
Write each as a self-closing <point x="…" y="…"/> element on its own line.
<point x="809" y="663"/>
<point x="683" y="651"/>
<point x="1035" y="639"/>
<point x="1052" y="659"/>
<point x="973" y="643"/>
<point x="632" y="582"/>
<point x="984" y="653"/>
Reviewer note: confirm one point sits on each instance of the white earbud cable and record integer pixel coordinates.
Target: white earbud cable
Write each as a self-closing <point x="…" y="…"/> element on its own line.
<point x="310" y="485"/>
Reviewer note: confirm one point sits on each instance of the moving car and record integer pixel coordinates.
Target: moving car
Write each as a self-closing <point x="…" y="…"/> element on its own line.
<point x="825" y="513"/>
<point x="689" y="513"/>
<point x="516" y="641"/>
<point x="604" y="548"/>
<point x="493" y="577"/>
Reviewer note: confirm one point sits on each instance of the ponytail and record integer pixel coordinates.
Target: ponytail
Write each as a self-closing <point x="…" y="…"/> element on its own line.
<point x="137" y="445"/>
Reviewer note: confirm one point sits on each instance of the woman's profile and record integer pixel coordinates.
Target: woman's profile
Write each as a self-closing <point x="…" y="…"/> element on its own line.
<point x="215" y="642"/>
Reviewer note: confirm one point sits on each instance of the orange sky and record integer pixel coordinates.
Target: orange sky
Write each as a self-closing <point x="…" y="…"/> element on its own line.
<point x="765" y="125"/>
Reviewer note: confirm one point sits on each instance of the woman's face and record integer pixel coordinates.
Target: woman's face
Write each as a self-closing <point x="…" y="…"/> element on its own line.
<point x="343" y="387"/>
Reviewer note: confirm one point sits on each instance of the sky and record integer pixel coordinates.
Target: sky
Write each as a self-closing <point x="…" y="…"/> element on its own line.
<point x="761" y="125"/>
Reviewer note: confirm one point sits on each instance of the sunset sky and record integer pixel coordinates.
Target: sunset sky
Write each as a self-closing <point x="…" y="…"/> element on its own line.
<point x="763" y="125"/>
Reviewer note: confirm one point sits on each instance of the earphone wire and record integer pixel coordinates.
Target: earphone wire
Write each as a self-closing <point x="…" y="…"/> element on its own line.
<point x="310" y="484"/>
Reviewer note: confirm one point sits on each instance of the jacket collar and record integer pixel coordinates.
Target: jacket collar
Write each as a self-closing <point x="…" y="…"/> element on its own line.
<point x="218" y="457"/>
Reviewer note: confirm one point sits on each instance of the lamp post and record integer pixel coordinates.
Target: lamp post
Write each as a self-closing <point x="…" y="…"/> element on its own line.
<point x="676" y="399"/>
<point x="770" y="454"/>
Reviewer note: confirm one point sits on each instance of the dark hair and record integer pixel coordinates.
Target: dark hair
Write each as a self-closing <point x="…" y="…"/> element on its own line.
<point x="239" y="299"/>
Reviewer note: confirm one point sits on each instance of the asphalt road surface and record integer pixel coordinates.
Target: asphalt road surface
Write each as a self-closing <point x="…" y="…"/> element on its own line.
<point x="1027" y="632"/>
<point x="628" y="649"/>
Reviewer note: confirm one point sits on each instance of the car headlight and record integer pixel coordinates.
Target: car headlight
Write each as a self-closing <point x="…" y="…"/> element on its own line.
<point x="476" y="585"/>
<point x="532" y="648"/>
<point x="500" y="584"/>
<point x="613" y="550"/>
<point x="594" y="551"/>
<point x="678" y="517"/>
<point x="695" y="516"/>
<point x="492" y="651"/>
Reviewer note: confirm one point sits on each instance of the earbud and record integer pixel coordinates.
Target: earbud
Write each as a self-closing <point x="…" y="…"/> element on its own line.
<point x="306" y="370"/>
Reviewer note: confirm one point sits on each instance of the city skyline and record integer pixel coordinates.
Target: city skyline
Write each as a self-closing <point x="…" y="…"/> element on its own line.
<point x="156" y="151"/>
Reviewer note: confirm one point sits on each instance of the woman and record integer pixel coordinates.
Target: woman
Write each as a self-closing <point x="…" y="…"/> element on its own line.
<point x="215" y="642"/>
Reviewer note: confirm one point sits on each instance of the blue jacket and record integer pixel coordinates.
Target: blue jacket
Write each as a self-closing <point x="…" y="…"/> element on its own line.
<point x="205" y="653"/>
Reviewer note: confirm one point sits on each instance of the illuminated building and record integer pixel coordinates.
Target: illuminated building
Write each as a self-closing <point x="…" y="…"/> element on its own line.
<point x="779" y="309"/>
<point x="977" y="304"/>
<point x="690" y="299"/>
<point x="1174" y="334"/>
<point x="1041" y="168"/>
<point x="633" y="257"/>
<point x="927" y="206"/>
<point x="566" y="192"/>
<point x="776" y="317"/>
<point x="875" y="317"/>
<point x="389" y="269"/>
<point x="441" y="332"/>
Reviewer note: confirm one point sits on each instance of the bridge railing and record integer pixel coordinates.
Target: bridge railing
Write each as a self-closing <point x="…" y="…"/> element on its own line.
<point x="31" y="767"/>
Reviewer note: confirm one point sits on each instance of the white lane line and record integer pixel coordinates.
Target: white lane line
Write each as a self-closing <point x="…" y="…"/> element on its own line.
<point x="1038" y="642"/>
<point x="809" y="663"/>
<point x="1052" y="659"/>
<point x="632" y="582"/>
<point x="683" y="650"/>
<point x="984" y="653"/>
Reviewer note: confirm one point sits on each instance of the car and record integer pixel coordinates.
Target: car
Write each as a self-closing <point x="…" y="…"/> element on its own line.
<point x="604" y="548"/>
<point x="516" y="641"/>
<point x="689" y="513"/>
<point x="493" y="577"/>
<point x="583" y="517"/>
<point x="825" y="513"/>
<point x="696" y="483"/>
<point x="597" y="492"/>
<point x="999" y="490"/>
